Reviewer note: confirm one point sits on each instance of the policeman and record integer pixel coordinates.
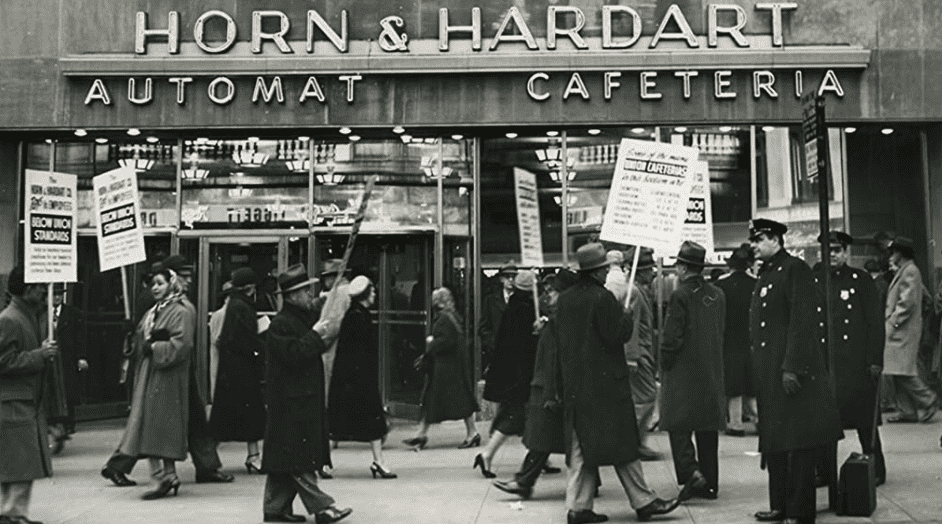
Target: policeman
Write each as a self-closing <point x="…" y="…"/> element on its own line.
<point x="797" y="410"/>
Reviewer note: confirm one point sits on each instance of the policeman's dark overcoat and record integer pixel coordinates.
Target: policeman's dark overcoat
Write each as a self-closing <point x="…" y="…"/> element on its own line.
<point x="857" y="341"/>
<point x="783" y="327"/>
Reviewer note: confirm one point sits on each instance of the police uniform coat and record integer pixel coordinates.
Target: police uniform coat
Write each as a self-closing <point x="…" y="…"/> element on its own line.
<point x="856" y="337"/>
<point x="25" y="454"/>
<point x="903" y="322"/>
<point x="296" y="428"/>
<point x="783" y="329"/>
<point x="593" y="328"/>
<point x="737" y="358"/>
<point x="692" y="397"/>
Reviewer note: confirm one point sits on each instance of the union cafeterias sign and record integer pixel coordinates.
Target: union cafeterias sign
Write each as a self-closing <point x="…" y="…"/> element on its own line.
<point x="582" y="54"/>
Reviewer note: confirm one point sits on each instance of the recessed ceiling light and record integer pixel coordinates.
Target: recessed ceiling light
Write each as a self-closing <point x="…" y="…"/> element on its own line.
<point x="725" y="129"/>
<point x="638" y="130"/>
<point x="345" y="130"/>
<point x="680" y="129"/>
<point x="594" y="131"/>
<point x="850" y="129"/>
<point x="304" y="138"/>
<point x="134" y="131"/>
<point x="768" y="129"/>
<point x="101" y="140"/>
<point x="399" y="130"/>
<point x="153" y="139"/>
<point x="354" y="138"/>
<point x="253" y="139"/>
<point x="511" y="135"/>
<point x="552" y="133"/>
<point x="48" y="140"/>
<point x="203" y="140"/>
<point x="887" y="130"/>
<point x="80" y="132"/>
<point x="457" y="137"/>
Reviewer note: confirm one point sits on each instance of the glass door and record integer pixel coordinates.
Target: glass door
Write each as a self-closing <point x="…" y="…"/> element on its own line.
<point x="400" y="267"/>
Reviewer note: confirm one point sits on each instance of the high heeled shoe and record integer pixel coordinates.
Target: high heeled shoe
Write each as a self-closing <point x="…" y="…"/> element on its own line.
<point x="472" y="442"/>
<point x="324" y="473"/>
<point x="383" y="473"/>
<point x="250" y="466"/>
<point x="164" y="488"/>
<point x="479" y="463"/>
<point x="416" y="442"/>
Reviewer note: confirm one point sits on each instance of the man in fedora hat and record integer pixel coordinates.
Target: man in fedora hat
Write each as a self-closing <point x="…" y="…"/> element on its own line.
<point x="593" y="329"/>
<point x="296" y="442"/>
<point x="856" y="337"/>
<point x="797" y="410"/>
<point x="692" y="397"/>
<point x="492" y="309"/>
<point x="737" y="286"/>
<point x="903" y="325"/>
<point x="69" y="325"/>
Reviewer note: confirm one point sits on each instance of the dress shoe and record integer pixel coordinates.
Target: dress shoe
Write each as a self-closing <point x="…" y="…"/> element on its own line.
<point x="118" y="478"/>
<point x="695" y="484"/>
<point x="881" y="480"/>
<point x="929" y="414"/>
<point x="583" y="516"/>
<point x="472" y="442"/>
<point x="512" y="487"/>
<point x="770" y="516"/>
<point x="325" y="473"/>
<point x="213" y="477"/>
<point x="163" y="489"/>
<point x="657" y="507"/>
<point x="18" y="519"/>
<point x="332" y="514"/>
<point x="479" y="463"/>
<point x="416" y="443"/>
<point x="284" y="517"/>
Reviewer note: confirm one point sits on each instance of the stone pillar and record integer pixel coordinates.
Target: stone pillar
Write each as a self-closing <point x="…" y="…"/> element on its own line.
<point x="9" y="213"/>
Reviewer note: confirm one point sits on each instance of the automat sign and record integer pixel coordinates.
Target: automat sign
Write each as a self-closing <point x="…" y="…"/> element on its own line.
<point x="316" y="52"/>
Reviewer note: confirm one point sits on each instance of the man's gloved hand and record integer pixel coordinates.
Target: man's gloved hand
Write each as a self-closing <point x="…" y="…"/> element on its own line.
<point x="538" y="325"/>
<point x="791" y="383"/>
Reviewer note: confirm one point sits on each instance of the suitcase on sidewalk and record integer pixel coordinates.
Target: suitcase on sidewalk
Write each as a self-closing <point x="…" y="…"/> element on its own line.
<point x="857" y="488"/>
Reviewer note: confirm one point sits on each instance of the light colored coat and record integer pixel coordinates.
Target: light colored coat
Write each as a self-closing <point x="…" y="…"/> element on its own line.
<point x="22" y="417"/>
<point x="903" y="315"/>
<point x="158" y="423"/>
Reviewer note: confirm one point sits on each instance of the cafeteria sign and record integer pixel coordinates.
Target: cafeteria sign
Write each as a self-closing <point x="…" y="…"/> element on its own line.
<point x="648" y="201"/>
<point x="120" y="235"/>
<point x="50" y="250"/>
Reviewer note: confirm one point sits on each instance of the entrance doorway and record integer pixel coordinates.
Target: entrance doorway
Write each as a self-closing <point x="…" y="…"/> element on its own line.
<point x="400" y="266"/>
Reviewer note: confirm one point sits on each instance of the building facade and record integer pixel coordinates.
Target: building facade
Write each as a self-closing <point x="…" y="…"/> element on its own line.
<point x="254" y="126"/>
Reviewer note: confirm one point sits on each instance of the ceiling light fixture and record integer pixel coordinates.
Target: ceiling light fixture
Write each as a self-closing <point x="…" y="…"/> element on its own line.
<point x="101" y="140"/>
<point x="768" y="129"/>
<point x="134" y="132"/>
<point x="137" y="164"/>
<point x="680" y="129"/>
<point x="253" y="139"/>
<point x="331" y="177"/>
<point x="552" y="133"/>
<point x="250" y="159"/>
<point x="725" y="129"/>
<point x="511" y="135"/>
<point x="850" y="129"/>
<point x="555" y="176"/>
<point x="81" y="132"/>
<point x="345" y="130"/>
<point x="887" y="130"/>
<point x="354" y="138"/>
<point x="152" y="140"/>
<point x="638" y="130"/>
<point x="457" y="137"/>
<point x="299" y="166"/>
<point x="594" y="132"/>
<point x="405" y="138"/>
<point x="399" y="130"/>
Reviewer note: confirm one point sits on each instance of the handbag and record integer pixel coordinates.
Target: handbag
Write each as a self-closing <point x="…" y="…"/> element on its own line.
<point x="423" y="363"/>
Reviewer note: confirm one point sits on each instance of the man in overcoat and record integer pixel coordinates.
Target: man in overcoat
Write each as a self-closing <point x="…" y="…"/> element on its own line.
<point x="296" y="441"/>
<point x="692" y="399"/>
<point x="856" y="338"/>
<point x="69" y="326"/>
<point x="903" y="324"/>
<point x="599" y="431"/>
<point x="737" y="286"/>
<point x="797" y="410"/>
<point x="24" y="365"/>
<point x="492" y="310"/>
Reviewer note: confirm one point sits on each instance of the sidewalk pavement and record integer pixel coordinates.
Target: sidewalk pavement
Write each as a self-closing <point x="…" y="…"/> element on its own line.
<point x="438" y="486"/>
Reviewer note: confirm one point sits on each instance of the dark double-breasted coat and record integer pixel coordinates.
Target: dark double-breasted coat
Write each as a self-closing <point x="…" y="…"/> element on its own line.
<point x="24" y="455"/>
<point x="737" y="358"/>
<point x="511" y="368"/>
<point x="692" y="396"/>
<point x="238" y="413"/>
<point x="783" y="327"/>
<point x="492" y="309"/>
<point x="449" y="392"/>
<point x="296" y="429"/>
<point x="856" y="339"/>
<point x="544" y="428"/>
<point x="596" y="392"/>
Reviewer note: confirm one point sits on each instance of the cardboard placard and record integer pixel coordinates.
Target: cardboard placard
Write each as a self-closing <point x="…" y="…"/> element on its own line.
<point x="50" y="252"/>
<point x="117" y="212"/>
<point x="698" y="224"/>
<point x="647" y="203"/>
<point x="528" y="218"/>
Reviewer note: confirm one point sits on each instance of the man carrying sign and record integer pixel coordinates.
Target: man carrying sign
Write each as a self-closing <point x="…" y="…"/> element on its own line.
<point x="23" y="369"/>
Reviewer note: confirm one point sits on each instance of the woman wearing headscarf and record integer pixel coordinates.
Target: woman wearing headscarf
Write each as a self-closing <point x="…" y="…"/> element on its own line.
<point x="448" y="393"/>
<point x="511" y="370"/>
<point x="157" y="425"/>
<point x="238" y="413"/>
<point x="355" y="407"/>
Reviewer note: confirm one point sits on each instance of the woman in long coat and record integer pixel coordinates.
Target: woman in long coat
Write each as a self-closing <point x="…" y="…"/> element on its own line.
<point x="511" y="369"/>
<point x="449" y="392"/>
<point x="238" y="413"/>
<point x="157" y="425"/>
<point x="355" y="407"/>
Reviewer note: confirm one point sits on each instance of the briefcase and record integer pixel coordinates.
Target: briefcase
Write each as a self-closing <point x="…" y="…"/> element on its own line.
<point x="857" y="488"/>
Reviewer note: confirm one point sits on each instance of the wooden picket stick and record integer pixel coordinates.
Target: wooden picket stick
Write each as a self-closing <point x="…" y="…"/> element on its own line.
<point x="49" y="311"/>
<point x="631" y="279"/>
<point x="124" y="292"/>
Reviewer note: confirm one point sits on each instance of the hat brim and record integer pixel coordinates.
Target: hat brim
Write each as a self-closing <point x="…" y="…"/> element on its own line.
<point x="691" y="262"/>
<point x="603" y="263"/>
<point x="297" y="286"/>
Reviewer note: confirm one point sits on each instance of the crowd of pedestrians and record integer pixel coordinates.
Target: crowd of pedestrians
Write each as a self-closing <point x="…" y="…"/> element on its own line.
<point x="564" y="355"/>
